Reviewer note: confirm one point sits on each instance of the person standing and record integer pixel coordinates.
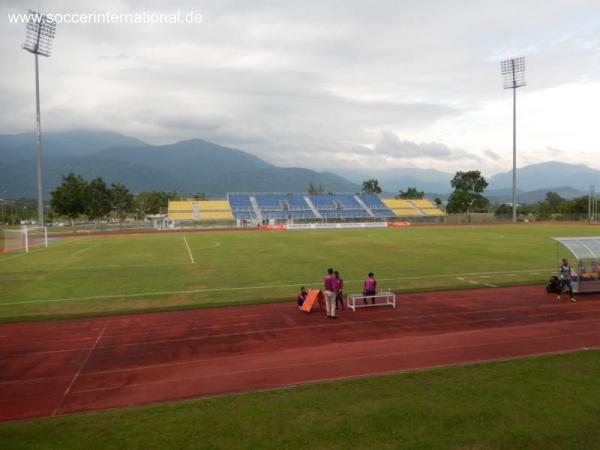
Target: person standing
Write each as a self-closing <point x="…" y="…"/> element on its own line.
<point x="329" y="287"/>
<point x="565" y="279"/>
<point x="370" y="287"/>
<point x="339" y="288"/>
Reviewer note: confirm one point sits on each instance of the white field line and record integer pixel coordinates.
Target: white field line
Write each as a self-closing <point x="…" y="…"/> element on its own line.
<point x="188" y="249"/>
<point x="108" y="266"/>
<point x="475" y="282"/>
<point x="83" y="250"/>
<point x="215" y="245"/>
<point x="244" y="288"/>
<point x="84" y="362"/>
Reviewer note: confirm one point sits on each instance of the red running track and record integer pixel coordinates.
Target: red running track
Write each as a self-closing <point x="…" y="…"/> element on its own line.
<point x="65" y="366"/>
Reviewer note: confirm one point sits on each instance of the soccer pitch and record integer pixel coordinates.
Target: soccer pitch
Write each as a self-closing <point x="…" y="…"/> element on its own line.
<point x="118" y="273"/>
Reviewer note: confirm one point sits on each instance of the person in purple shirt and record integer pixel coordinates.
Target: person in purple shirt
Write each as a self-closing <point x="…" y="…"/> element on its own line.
<point x="329" y="288"/>
<point x="339" y="288"/>
<point x="370" y="286"/>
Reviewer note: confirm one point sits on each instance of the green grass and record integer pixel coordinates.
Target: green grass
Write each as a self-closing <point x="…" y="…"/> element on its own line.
<point x="108" y="274"/>
<point x="549" y="402"/>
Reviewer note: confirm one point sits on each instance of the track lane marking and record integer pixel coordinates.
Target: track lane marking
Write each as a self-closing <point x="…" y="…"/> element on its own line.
<point x="62" y="400"/>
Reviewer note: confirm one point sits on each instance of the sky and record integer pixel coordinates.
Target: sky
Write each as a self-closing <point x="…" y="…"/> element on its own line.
<point x="329" y="85"/>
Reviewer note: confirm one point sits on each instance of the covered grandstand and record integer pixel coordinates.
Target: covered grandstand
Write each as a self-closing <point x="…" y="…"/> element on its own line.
<point x="272" y="208"/>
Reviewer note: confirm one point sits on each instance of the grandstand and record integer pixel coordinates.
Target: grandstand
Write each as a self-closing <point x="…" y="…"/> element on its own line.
<point x="199" y="210"/>
<point x="427" y="207"/>
<point x="402" y="208"/>
<point x="297" y="207"/>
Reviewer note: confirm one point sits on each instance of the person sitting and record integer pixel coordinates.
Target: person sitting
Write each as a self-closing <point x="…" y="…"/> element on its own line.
<point x="370" y="287"/>
<point x="301" y="297"/>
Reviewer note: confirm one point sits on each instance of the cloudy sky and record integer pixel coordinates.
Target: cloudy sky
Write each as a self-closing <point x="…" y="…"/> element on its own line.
<point x="323" y="84"/>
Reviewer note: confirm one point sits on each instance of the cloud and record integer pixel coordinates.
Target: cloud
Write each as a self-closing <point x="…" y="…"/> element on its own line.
<point x="491" y="155"/>
<point x="306" y="83"/>
<point x="390" y="145"/>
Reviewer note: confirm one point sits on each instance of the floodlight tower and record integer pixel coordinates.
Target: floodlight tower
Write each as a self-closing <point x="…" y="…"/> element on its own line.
<point x="38" y="40"/>
<point x="513" y="71"/>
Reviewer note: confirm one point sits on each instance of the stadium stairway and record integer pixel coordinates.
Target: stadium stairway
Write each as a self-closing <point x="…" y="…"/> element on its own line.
<point x="195" y="211"/>
<point x="364" y="205"/>
<point x="417" y="207"/>
<point x="256" y="208"/>
<point x="312" y="207"/>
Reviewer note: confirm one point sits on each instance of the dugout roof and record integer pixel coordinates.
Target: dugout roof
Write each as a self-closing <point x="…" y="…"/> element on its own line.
<point x="587" y="247"/>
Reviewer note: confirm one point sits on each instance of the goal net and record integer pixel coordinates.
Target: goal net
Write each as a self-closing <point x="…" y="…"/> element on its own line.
<point x="24" y="239"/>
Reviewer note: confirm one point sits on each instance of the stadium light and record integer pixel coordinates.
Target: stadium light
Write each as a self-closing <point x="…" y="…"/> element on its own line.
<point x="38" y="40"/>
<point x="513" y="71"/>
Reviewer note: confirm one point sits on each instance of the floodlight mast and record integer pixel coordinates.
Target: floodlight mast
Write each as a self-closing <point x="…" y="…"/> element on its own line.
<point x="513" y="71"/>
<point x="38" y="40"/>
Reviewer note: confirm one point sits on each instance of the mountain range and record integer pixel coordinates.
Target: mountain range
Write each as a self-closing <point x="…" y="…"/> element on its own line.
<point x="188" y="167"/>
<point x="194" y="166"/>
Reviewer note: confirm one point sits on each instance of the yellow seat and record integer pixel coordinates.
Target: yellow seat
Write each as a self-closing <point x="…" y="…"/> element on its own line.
<point x="396" y="203"/>
<point x="423" y="203"/>
<point x="433" y="212"/>
<point x="406" y="212"/>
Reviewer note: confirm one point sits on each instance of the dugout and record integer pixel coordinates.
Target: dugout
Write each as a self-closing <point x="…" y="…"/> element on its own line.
<point x="586" y="265"/>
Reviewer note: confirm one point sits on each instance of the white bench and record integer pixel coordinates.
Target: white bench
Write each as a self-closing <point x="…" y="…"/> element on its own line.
<point x="388" y="297"/>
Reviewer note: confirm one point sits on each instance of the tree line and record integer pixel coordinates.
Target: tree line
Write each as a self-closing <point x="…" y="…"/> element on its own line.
<point x="95" y="199"/>
<point x="467" y="196"/>
<point x="552" y="207"/>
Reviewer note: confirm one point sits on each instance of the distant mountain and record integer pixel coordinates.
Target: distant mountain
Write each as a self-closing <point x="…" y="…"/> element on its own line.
<point x="505" y="195"/>
<point x="200" y="166"/>
<point x="394" y="180"/>
<point x="547" y="175"/>
<point x="20" y="147"/>
<point x="188" y="166"/>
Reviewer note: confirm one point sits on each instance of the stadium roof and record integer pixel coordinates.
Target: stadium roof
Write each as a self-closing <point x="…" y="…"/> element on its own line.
<point x="587" y="247"/>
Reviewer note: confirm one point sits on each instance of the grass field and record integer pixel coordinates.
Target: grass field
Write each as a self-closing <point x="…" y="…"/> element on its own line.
<point x="108" y="274"/>
<point x="549" y="402"/>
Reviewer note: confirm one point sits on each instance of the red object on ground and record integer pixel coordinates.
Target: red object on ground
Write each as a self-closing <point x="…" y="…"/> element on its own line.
<point x="309" y="301"/>
<point x="65" y="366"/>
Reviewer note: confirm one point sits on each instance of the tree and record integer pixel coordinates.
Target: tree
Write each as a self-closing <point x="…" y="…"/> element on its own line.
<point x="471" y="182"/>
<point x="315" y="189"/>
<point x="97" y="199"/>
<point x="503" y="210"/>
<point x="154" y="202"/>
<point x="121" y="201"/>
<point x="371" y="187"/>
<point x="468" y="187"/>
<point x="438" y="202"/>
<point x="200" y="196"/>
<point x="554" y="201"/>
<point x="458" y="202"/>
<point x="411" y="193"/>
<point x="68" y="199"/>
<point x="544" y="210"/>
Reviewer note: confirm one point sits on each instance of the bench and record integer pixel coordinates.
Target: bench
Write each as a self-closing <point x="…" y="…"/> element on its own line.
<point x="388" y="297"/>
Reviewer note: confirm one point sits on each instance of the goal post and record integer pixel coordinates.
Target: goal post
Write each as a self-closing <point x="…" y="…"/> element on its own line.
<point x="23" y="239"/>
<point x="35" y="236"/>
